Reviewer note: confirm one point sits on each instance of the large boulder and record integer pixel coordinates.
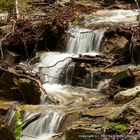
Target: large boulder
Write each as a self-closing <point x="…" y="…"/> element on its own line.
<point x="115" y="44"/>
<point x="127" y="95"/>
<point x="29" y="90"/>
<point x="16" y="87"/>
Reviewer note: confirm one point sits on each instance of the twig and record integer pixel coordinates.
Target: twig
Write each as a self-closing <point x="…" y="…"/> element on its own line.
<point x="111" y="64"/>
<point x="36" y="43"/>
<point x="1" y="50"/>
<point x="57" y="63"/>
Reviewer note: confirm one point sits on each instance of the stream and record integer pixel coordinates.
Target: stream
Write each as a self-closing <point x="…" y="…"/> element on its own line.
<point x="82" y="40"/>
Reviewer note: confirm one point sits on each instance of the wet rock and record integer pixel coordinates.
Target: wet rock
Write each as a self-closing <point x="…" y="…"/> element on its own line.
<point x="127" y="95"/>
<point x="29" y="91"/>
<point x="126" y="111"/>
<point x="5" y="132"/>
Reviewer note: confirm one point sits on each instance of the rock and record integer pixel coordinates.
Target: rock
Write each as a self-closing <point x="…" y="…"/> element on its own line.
<point x="121" y="74"/>
<point x="127" y="95"/>
<point x="64" y="2"/>
<point x="13" y="87"/>
<point x="99" y="112"/>
<point x="115" y="44"/>
<point x="126" y="111"/>
<point x="29" y="91"/>
<point x="5" y="132"/>
<point x="8" y="90"/>
<point x="80" y="133"/>
<point x="5" y="106"/>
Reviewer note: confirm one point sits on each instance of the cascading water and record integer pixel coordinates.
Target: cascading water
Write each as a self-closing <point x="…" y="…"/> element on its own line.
<point x="84" y="40"/>
<point x="49" y="68"/>
<point x="51" y="65"/>
<point x="47" y="124"/>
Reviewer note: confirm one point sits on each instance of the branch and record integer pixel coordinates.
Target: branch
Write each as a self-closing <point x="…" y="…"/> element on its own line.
<point x="27" y="77"/>
<point x="57" y="62"/>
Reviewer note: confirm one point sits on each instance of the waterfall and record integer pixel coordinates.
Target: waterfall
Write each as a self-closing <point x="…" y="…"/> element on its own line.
<point x="51" y="65"/>
<point x="84" y="40"/>
<point x="49" y="68"/>
<point x="9" y="118"/>
<point x="48" y="123"/>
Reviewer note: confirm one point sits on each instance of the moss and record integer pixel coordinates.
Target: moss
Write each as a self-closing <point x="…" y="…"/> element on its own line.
<point x="120" y="127"/>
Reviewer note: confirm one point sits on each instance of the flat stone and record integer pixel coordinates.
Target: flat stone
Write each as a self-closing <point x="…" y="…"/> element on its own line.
<point x="99" y="112"/>
<point x="127" y="95"/>
<point x="5" y="106"/>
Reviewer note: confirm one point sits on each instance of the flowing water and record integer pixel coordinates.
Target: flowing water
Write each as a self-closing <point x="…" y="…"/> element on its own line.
<point x="84" y="40"/>
<point x="136" y="1"/>
<point x="111" y="16"/>
<point x="49" y="68"/>
<point x="47" y="124"/>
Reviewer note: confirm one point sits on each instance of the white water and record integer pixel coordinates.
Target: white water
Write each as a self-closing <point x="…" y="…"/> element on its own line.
<point x="47" y="125"/>
<point x="66" y="94"/>
<point x="49" y="68"/>
<point x="84" y="40"/>
<point x="9" y="118"/>
<point x="51" y="64"/>
<point x="112" y="16"/>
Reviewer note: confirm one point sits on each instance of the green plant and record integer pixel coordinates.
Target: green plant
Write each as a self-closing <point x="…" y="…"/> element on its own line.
<point x="18" y="124"/>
